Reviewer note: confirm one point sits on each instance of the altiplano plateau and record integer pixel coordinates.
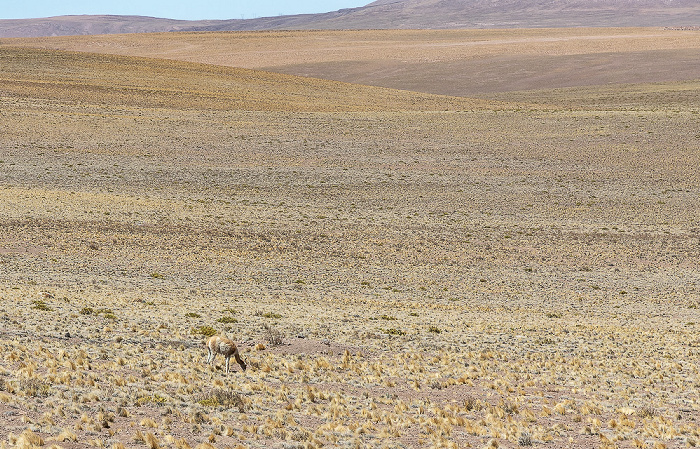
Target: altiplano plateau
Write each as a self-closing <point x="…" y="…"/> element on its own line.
<point x="514" y="265"/>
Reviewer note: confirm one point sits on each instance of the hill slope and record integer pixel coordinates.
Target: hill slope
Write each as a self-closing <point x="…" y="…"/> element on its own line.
<point x="449" y="62"/>
<point x="393" y="14"/>
<point x="155" y="83"/>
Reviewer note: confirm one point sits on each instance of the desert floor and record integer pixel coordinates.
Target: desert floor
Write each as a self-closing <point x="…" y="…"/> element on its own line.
<point x="400" y="269"/>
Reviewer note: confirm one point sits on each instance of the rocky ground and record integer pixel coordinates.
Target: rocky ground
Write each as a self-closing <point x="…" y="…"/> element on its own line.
<point x="453" y="274"/>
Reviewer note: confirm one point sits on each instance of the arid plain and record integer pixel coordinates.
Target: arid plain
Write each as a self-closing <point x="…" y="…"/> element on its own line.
<point x="401" y="269"/>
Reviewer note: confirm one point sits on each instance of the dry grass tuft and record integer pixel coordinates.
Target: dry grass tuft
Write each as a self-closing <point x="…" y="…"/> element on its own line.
<point x="273" y="336"/>
<point x="223" y="398"/>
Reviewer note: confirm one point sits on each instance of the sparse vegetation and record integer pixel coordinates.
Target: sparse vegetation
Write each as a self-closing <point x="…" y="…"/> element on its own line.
<point x="416" y="323"/>
<point x="273" y="336"/>
<point x="206" y="331"/>
<point x="223" y="398"/>
<point x="152" y="399"/>
<point x="272" y="315"/>
<point x="41" y="305"/>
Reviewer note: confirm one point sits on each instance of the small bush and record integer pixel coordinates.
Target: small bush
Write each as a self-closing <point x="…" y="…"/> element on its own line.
<point x="34" y="387"/>
<point x="227" y="320"/>
<point x="436" y="385"/>
<point x="206" y="331"/>
<point x="434" y="329"/>
<point x="388" y="317"/>
<point x="471" y="403"/>
<point x="393" y="331"/>
<point x="222" y="398"/>
<point x="646" y="412"/>
<point x="41" y="305"/>
<point x="107" y="313"/>
<point x="155" y="399"/>
<point x="525" y="439"/>
<point x="267" y="314"/>
<point x="192" y="315"/>
<point x="273" y="336"/>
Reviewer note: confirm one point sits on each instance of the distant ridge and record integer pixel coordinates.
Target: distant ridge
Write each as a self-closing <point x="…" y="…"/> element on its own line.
<point x="395" y="14"/>
<point x="87" y="25"/>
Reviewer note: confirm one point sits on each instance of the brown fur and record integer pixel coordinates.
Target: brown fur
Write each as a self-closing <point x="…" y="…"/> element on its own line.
<point x="227" y="348"/>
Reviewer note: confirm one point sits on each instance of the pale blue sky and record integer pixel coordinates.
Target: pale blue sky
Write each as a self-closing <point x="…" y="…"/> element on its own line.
<point x="172" y="9"/>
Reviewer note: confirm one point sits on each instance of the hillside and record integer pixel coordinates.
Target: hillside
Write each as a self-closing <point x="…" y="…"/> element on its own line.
<point x="393" y="14"/>
<point x="151" y="83"/>
<point x="448" y="62"/>
<point x="91" y="24"/>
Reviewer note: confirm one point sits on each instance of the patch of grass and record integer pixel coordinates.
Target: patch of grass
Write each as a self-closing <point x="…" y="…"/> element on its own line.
<point x="227" y="320"/>
<point x="393" y="331"/>
<point x="41" y="305"/>
<point x="267" y="314"/>
<point x="223" y="398"/>
<point x="192" y="315"/>
<point x="524" y="439"/>
<point x="34" y="387"/>
<point x="154" y="399"/>
<point x="206" y="331"/>
<point x="434" y="329"/>
<point x="273" y="336"/>
<point x="472" y="403"/>
<point x="106" y="313"/>
<point x="156" y="275"/>
<point x="388" y="317"/>
<point x="647" y="412"/>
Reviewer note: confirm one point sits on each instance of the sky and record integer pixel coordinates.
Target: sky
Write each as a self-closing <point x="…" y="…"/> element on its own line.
<point x="172" y="9"/>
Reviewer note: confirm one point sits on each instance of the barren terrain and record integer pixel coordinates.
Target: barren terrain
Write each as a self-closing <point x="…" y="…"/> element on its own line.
<point x="393" y="14"/>
<point x="447" y="62"/>
<point x="400" y="269"/>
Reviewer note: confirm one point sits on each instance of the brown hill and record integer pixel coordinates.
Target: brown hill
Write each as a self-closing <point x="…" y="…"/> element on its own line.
<point x="159" y="83"/>
<point x="531" y="13"/>
<point x="450" y="62"/>
<point x="393" y="14"/>
<point x="92" y="24"/>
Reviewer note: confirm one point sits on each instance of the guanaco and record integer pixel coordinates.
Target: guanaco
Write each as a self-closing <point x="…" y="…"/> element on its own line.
<point x="225" y="347"/>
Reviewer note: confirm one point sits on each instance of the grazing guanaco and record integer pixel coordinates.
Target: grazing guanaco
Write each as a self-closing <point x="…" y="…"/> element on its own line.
<point x="225" y="347"/>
